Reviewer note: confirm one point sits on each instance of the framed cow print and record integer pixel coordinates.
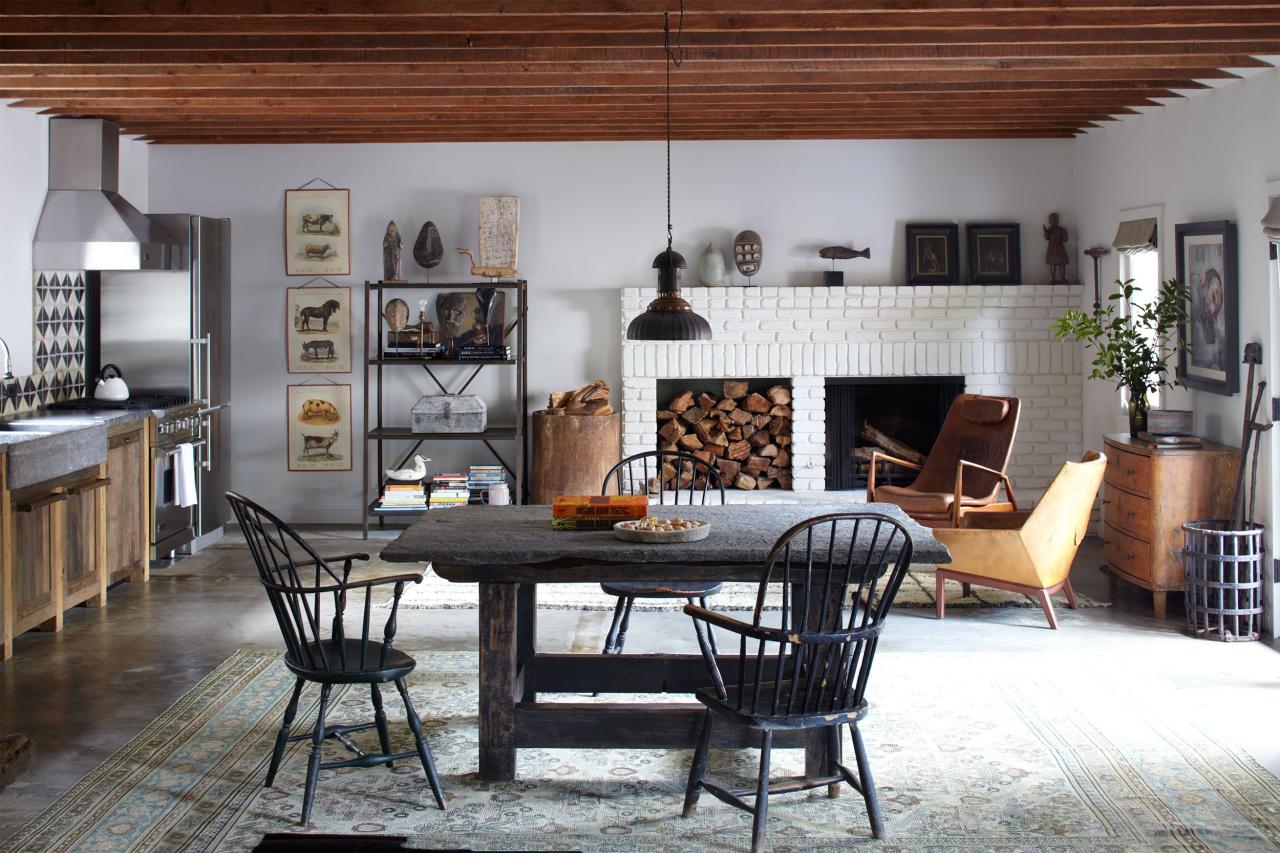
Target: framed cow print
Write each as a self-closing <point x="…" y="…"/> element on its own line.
<point x="317" y="234"/>
<point x="318" y="334"/>
<point x="318" y="420"/>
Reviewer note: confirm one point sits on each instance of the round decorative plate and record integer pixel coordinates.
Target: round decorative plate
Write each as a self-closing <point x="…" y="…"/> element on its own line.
<point x="630" y="531"/>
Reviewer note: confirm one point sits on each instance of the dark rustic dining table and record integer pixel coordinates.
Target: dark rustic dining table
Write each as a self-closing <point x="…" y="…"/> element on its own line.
<point x="509" y="550"/>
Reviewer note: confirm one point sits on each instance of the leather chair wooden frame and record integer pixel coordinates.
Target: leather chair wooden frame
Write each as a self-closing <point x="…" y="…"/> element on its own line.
<point x="966" y="468"/>
<point x="1026" y="552"/>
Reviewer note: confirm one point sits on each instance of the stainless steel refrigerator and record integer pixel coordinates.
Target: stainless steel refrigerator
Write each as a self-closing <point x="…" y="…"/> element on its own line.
<point x="169" y="332"/>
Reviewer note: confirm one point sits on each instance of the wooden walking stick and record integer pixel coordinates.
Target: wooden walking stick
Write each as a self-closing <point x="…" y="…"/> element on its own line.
<point x="1252" y="357"/>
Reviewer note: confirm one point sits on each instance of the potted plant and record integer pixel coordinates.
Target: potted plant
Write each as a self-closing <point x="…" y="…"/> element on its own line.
<point x="1132" y="342"/>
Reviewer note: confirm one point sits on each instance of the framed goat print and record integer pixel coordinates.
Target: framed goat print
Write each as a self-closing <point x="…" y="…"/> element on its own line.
<point x="318" y="337"/>
<point x="1207" y="266"/>
<point x="319" y="427"/>
<point x="317" y="236"/>
<point x="933" y="253"/>
<point x="995" y="253"/>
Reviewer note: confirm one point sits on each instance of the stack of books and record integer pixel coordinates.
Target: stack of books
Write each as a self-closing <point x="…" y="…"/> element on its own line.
<point x="412" y="351"/>
<point x="448" y="490"/>
<point x="596" y="512"/>
<point x="402" y="496"/>
<point x="480" y="478"/>
<point x="484" y="353"/>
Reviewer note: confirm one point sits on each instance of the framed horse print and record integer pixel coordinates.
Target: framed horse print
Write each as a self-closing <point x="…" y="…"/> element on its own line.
<point x="318" y="336"/>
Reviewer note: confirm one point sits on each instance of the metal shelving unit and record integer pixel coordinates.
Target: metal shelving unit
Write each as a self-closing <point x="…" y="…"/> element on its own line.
<point x="376" y="361"/>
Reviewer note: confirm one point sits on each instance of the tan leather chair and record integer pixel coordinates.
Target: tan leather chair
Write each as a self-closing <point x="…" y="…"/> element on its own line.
<point x="1024" y="552"/>
<point x="964" y="470"/>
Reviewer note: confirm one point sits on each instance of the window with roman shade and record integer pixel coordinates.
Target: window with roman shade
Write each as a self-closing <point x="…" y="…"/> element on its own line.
<point x="1135" y="236"/>
<point x="1271" y="225"/>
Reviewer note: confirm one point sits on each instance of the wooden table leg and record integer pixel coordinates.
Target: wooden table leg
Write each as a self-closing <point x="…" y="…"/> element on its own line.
<point x="497" y="681"/>
<point x="527" y="639"/>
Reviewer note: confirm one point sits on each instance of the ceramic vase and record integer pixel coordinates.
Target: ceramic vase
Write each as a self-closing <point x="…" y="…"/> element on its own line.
<point x="711" y="267"/>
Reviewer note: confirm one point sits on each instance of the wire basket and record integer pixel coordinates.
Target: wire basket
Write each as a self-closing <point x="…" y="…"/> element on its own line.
<point x="1223" y="580"/>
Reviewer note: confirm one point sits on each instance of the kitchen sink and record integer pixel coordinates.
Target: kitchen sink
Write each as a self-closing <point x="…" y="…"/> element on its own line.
<point x="39" y="449"/>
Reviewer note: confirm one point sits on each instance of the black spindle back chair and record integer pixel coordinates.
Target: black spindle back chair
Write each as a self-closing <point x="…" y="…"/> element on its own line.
<point x="646" y="474"/>
<point x="309" y="597"/>
<point x="838" y="575"/>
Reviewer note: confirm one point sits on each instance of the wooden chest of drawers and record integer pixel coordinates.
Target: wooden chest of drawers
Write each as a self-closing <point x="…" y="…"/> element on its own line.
<point x="1148" y="495"/>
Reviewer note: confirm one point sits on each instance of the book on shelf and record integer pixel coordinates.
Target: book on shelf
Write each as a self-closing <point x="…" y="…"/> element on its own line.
<point x="398" y="351"/>
<point x="484" y="353"/>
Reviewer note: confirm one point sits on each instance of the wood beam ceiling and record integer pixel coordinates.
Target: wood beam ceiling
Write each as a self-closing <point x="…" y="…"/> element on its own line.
<point x="223" y="71"/>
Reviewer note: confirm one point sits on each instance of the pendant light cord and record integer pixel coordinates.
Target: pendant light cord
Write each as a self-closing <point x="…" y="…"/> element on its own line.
<point x="676" y="58"/>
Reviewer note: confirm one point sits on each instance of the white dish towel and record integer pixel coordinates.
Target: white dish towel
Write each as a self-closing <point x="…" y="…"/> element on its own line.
<point x="184" y="476"/>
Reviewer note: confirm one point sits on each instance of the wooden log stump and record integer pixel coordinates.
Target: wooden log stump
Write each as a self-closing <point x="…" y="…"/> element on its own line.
<point x="573" y="453"/>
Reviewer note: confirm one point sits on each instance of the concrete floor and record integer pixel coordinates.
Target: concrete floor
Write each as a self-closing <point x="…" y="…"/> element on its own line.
<point x="84" y="692"/>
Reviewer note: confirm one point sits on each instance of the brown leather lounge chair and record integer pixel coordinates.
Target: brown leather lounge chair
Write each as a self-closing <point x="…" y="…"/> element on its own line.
<point x="964" y="471"/>
<point x="1032" y="552"/>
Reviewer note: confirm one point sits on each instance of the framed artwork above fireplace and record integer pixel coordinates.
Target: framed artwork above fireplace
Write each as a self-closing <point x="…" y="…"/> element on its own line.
<point x="933" y="253"/>
<point x="995" y="253"/>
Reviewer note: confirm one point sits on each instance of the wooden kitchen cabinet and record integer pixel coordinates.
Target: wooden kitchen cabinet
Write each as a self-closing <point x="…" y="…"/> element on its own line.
<point x="84" y="542"/>
<point x="37" y="580"/>
<point x="1149" y="494"/>
<point x="128" y="503"/>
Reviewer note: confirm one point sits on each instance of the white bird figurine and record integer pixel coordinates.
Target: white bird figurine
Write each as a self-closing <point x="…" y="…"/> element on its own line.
<point x="416" y="473"/>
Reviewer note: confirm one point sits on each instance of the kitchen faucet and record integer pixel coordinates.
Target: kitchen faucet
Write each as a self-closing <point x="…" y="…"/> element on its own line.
<point x="9" y="386"/>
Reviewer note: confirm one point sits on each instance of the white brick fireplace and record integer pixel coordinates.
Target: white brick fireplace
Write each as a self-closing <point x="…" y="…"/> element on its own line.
<point x="998" y="338"/>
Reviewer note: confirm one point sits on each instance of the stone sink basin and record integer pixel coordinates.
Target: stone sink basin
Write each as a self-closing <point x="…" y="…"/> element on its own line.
<point x="39" y="449"/>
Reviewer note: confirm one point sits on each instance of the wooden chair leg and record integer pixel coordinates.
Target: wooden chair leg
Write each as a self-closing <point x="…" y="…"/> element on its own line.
<point x="868" y="783"/>
<point x="966" y="590"/>
<point x="711" y="634"/>
<point x="833" y="745"/>
<point x="762" y="794"/>
<point x="621" y="639"/>
<point x="313" y="763"/>
<point x="1071" y="594"/>
<point x="611" y="638"/>
<point x="424" y="751"/>
<point x="1046" y="604"/>
<point x="282" y="739"/>
<point x="940" y="596"/>
<point x="380" y="719"/>
<point x="698" y="770"/>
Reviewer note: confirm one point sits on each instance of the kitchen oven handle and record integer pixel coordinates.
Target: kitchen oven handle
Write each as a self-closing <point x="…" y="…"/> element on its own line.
<point x="160" y="452"/>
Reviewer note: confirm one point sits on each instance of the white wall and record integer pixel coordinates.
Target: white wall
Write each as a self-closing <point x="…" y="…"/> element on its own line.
<point x="24" y="179"/>
<point x="592" y="219"/>
<point x="1204" y="158"/>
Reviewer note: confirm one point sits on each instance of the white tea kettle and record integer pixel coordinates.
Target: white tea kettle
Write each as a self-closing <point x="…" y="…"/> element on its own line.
<point x="110" y="384"/>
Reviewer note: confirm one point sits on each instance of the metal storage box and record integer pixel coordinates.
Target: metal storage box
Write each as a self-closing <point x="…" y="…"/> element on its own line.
<point x="449" y="413"/>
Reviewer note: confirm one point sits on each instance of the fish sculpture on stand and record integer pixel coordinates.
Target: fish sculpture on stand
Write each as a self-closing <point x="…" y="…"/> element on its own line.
<point x="409" y="475"/>
<point x="834" y="277"/>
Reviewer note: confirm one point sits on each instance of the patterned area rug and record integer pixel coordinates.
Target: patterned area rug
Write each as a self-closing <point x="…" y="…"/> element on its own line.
<point x="436" y="593"/>
<point x="963" y="765"/>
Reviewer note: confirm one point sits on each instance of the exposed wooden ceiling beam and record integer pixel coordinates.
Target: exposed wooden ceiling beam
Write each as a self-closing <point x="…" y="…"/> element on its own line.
<point x="398" y="70"/>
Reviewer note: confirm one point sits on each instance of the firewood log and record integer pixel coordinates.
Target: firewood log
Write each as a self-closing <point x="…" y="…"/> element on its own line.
<point x="689" y="441"/>
<point x="742" y="416"/>
<point x="560" y="412"/>
<point x="704" y="455"/>
<point x="667" y="445"/>
<point x="892" y="445"/>
<point x="591" y="407"/>
<point x="763" y="482"/>
<point x="760" y="421"/>
<point x="783" y="459"/>
<point x="760" y="438"/>
<point x="556" y="399"/>
<point x="735" y="389"/>
<point x="779" y="426"/>
<point x="681" y="402"/>
<point x="756" y="465"/>
<point x="665" y="415"/>
<point x="728" y="469"/>
<point x="779" y="394"/>
<point x="671" y="430"/>
<point x="726" y="405"/>
<point x="780" y="411"/>
<point x="692" y="415"/>
<point x="706" y="401"/>
<point x="744" y="481"/>
<point x="756" y="404"/>
<point x="770" y="451"/>
<point x="782" y="440"/>
<point x="714" y="449"/>
<point x="705" y="429"/>
<point x="734" y="434"/>
<point x="739" y="450"/>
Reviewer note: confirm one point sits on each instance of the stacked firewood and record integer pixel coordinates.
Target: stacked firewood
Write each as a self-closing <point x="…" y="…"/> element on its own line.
<point x="590" y="399"/>
<point x="746" y="434"/>
<point x="878" y="440"/>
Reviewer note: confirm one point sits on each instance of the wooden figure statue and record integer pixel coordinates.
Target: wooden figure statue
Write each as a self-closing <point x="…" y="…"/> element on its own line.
<point x="1056" y="255"/>
<point x="391" y="248"/>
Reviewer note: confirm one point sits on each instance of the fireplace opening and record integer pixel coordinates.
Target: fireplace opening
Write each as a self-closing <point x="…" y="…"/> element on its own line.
<point x="741" y="426"/>
<point x="868" y="413"/>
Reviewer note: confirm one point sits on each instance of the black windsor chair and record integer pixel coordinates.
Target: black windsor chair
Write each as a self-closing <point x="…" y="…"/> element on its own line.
<point x="644" y="474"/>
<point x="299" y="582"/>
<point x="838" y="575"/>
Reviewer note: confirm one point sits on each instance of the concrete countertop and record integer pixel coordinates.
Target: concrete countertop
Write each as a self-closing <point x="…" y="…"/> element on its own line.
<point x="46" y="445"/>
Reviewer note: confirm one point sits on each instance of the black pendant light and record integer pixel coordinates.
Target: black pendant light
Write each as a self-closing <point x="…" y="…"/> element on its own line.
<point x="669" y="317"/>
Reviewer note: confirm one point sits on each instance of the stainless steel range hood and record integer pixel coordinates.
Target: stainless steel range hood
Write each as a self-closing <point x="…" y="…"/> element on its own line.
<point x="86" y="224"/>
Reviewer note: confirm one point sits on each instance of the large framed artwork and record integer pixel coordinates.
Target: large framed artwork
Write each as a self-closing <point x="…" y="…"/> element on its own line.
<point x="1211" y="333"/>
<point x="933" y="253"/>
<point x="318" y="418"/>
<point x="318" y="337"/>
<point x="317" y="236"/>
<point x="995" y="253"/>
